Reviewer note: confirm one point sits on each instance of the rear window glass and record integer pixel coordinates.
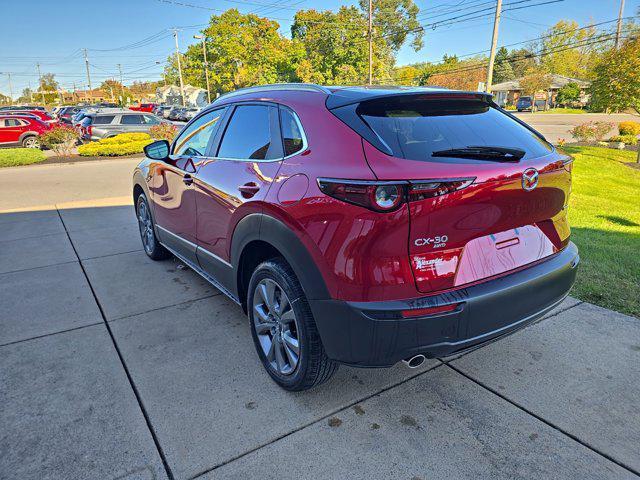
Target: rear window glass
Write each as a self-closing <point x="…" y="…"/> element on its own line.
<point x="414" y="129"/>
<point x="103" y="120"/>
<point x="291" y="134"/>
<point x="131" y="120"/>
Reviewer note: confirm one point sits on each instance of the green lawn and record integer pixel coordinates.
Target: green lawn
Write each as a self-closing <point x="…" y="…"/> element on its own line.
<point x="12" y="157"/>
<point x="605" y="224"/>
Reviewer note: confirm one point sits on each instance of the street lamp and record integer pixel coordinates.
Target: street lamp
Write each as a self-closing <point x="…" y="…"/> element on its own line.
<point x="206" y="64"/>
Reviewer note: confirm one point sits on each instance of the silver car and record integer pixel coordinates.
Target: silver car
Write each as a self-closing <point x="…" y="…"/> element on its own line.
<point x="103" y="125"/>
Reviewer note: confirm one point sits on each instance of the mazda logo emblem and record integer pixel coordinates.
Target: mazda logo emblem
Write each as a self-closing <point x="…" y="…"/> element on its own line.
<point x="530" y="179"/>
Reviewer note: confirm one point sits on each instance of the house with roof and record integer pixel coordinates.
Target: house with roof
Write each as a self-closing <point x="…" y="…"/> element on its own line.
<point x="170" y="95"/>
<point x="507" y="93"/>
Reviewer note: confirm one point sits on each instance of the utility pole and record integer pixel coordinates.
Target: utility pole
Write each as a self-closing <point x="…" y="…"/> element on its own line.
<point x="175" y="36"/>
<point x="10" y="87"/>
<point x="86" y="64"/>
<point x="370" y="42"/>
<point x="619" y="28"/>
<point x="30" y="94"/>
<point x="121" y="82"/>
<point x="494" y="43"/>
<point x="206" y="64"/>
<point x="74" y="91"/>
<point x="40" y="83"/>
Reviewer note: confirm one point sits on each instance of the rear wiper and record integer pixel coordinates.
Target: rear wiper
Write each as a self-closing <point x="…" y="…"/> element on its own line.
<point x="498" y="154"/>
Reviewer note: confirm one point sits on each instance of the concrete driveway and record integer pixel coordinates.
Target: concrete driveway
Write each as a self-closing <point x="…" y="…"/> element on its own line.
<point x="555" y="126"/>
<point x="114" y="366"/>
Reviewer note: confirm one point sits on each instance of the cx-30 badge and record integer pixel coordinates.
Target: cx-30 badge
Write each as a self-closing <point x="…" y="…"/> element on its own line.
<point x="530" y="179"/>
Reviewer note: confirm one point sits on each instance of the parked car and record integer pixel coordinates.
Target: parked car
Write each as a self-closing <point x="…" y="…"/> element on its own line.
<point x="21" y="131"/>
<point x="187" y="114"/>
<point x="144" y="107"/>
<point x="66" y="114"/>
<point x="175" y="113"/>
<point x="160" y="109"/>
<point x="108" y="124"/>
<point x="431" y="223"/>
<point x="41" y="114"/>
<point x="167" y="111"/>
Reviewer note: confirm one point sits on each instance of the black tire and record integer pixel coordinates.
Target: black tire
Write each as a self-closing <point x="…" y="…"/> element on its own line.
<point x="146" y="226"/>
<point x="30" y="141"/>
<point x="313" y="366"/>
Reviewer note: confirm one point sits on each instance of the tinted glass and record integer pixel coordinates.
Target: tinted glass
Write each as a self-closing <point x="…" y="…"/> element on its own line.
<point x="194" y="139"/>
<point x="103" y="120"/>
<point x="12" y="122"/>
<point x="131" y="120"/>
<point x="414" y="129"/>
<point x="291" y="134"/>
<point x="248" y="135"/>
<point x="150" y="120"/>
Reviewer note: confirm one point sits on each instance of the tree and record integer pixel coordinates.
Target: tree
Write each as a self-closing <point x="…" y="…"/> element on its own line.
<point x="395" y="20"/>
<point x="112" y="88"/>
<point x="26" y="96"/>
<point x="566" y="49"/>
<point x="502" y="70"/>
<point x="534" y="82"/>
<point x="242" y="50"/>
<point x="49" y="86"/>
<point x="568" y="94"/>
<point x="521" y="60"/>
<point x="329" y="42"/>
<point x="616" y="86"/>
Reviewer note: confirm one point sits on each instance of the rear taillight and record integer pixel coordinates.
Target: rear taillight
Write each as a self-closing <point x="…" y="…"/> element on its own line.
<point x="435" y="188"/>
<point x="377" y="196"/>
<point x="90" y="130"/>
<point x="382" y="196"/>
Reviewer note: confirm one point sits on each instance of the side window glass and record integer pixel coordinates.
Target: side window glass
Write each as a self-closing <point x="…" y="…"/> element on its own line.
<point x="193" y="140"/>
<point x="292" y="138"/>
<point x="131" y="120"/>
<point x="149" y="120"/>
<point x="249" y="135"/>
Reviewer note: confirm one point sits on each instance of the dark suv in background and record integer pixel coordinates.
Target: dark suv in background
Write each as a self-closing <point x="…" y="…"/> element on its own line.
<point x="363" y="226"/>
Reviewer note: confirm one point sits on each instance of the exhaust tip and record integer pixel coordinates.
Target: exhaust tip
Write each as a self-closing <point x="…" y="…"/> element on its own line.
<point x="415" y="361"/>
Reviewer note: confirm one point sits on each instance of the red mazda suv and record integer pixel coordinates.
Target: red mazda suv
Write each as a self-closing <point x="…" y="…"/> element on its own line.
<point x="362" y="225"/>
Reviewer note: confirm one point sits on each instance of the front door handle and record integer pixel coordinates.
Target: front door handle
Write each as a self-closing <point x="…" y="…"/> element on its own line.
<point x="187" y="179"/>
<point x="248" y="190"/>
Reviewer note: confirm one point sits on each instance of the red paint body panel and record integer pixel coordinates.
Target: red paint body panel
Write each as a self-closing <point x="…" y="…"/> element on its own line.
<point x="13" y="135"/>
<point x="144" y="107"/>
<point x="362" y="255"/>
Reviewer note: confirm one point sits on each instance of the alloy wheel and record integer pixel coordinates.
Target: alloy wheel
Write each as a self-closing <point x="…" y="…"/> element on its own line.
<point x="146" y="227"/>
<point x="276" y="327"/>
<point x="31" y="142"/>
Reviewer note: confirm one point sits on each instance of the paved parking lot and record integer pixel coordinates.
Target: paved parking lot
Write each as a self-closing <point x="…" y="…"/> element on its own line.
<point x="556" y="126"/>
<point x="114" y="366"/>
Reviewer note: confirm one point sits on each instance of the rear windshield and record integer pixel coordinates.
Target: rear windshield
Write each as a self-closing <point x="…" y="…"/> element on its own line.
<point x="414" y="129"/>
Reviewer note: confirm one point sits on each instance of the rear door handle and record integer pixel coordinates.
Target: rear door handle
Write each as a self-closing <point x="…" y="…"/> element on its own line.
<point x="248" y="190"/>
<point x="187" y="179"/>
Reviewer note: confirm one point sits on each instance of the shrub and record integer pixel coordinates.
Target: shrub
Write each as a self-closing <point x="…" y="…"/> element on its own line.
<point x="626" y="139"/>
<point x="123" y="144"/>
<point x="591" y="131"/>
<point x="164" y="131"/>
<point x="61" y="139"/>
<point x="629" y="128"/>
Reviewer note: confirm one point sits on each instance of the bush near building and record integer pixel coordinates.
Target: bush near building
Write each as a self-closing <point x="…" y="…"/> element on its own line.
<point x="591" y="131"/>
<point x="629" y="128"/>
<point x="119" y="145"/>
<point x="164" y="131"/>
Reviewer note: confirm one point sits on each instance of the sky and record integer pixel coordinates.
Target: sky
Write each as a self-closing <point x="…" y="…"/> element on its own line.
<point x="59" y="30"/>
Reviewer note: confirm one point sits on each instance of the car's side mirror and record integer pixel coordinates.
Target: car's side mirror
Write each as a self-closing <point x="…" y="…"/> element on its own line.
<point x="158" y="150"/>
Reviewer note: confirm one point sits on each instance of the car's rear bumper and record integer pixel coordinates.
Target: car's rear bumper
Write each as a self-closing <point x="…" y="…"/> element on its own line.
<point x="373" y="334"/>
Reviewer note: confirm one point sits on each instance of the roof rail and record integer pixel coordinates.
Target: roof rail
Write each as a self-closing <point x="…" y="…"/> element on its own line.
<point x="308" y="87"/>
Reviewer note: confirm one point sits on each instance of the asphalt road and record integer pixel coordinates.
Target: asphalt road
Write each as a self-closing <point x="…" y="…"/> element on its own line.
<point x="115" y="366"/>
<point x="555" y="126"/>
